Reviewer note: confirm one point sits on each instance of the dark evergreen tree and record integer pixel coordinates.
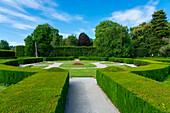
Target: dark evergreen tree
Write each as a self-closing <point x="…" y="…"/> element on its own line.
<point x="159" y="24"/>
<point x="84" y="40"/>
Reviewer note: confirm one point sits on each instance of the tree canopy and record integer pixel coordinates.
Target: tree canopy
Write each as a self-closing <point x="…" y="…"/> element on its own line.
<point x="45" y="36"/>
<point x="112" y="39"/>
<point x="151" y="35"/>
<point x="4" y="45"/>
<point x="71" y="41"/>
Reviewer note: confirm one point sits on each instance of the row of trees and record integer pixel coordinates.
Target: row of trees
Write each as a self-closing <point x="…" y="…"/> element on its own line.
<point x="112" y="39"/>
<point x="45" y="38"/>
<point x="153" y="36"/>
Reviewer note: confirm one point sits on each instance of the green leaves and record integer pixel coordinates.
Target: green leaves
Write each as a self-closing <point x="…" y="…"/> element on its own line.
<point x="112" y="39"/>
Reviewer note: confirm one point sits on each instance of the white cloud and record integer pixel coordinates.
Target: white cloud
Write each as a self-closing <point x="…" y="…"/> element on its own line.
<point x="15" y="43"/>
<point x="20" y="15"/>
<point x="82" y="30"/>
<point x="22" y="26"/>
<point x="135" y="16"/>
<point x="64" y="35"/>
<point x="46" y="7"/>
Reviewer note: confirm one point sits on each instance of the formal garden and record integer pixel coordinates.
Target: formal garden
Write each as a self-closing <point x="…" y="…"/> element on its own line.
<point x="132" y="69"/>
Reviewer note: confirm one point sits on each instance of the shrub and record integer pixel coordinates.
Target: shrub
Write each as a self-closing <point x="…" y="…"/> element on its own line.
<point x="29" y="60"/>
<point x="57" y="58"/>
<point x="131" y="93"/>
<point x="153" y="71"/>
<point x="111" y="69"/>
<point x="37" y="94"/>
<point x="7" y="54"/>
<point x="73" y="51"/>
<point x="19" y="51"/>
<point x="34" y="93"/>
<point x="141" y="52"/>
<point x="94" y="58"/>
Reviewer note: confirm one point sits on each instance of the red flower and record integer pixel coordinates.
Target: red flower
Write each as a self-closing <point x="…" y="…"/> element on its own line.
<point x="77" y="64"/>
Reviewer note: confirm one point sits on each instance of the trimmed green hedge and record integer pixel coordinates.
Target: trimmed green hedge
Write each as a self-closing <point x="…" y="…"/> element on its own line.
<point x="7" y="54"/>
<point x="42" y="91"/>
<point x="153" y="71"/>
<point x="131" y="93"/>
<point x="134" y="61"/>
<point x="74" y="51"/>
<point x="57" y="58"/>
<point x="29" y="60"/>
<point x="94" y="58"/>
<point x="19" y="51"/>
<point x="39" y="93"/>
<point x="141" y="52"/>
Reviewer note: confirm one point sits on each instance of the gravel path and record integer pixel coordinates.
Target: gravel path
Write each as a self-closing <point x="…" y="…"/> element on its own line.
<point x="85" y="96"/>
<point x="53" y="65"/>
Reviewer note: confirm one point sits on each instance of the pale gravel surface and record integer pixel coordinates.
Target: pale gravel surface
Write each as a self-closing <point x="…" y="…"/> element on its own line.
<point x="53" y="65"/>
<point x="85" y="96"/>
<point x="96" y="63"/>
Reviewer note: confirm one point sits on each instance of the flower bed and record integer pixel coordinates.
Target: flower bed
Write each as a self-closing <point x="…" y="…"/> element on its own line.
<point x="77" y="64"/>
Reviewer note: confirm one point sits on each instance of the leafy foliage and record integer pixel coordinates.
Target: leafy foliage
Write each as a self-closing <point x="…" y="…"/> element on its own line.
<point x="29" y="46"/>
<point x="71" y="41"/>
<point x="112" y="39"/>
<point x="152" y="35"/>
<point x="4" y="45"/>
<point x="46" y="37"/>
<point x="19" y="51"/>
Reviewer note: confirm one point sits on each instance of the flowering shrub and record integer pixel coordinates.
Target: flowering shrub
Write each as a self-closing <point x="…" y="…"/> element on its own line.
<point x="77" y="64"/>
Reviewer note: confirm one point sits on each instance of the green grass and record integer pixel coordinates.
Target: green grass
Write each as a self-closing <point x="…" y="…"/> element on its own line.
<point x="45" y="63"/>
<point x="40" y="67"/>
<point x="167" y="81"/>
<point x="107" y="63"/>
<point x="2" y="87"/>
<point x="69" y="64"/>
<point x="82" y="72"/>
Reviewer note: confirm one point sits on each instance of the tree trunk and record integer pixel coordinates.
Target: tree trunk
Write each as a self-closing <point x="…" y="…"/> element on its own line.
<point x="36" y="49"/>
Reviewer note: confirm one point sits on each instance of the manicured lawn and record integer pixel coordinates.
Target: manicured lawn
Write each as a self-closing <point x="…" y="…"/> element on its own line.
<point x="69" y="64"/>
<point x="2" y="87"/>
<point x="107" y="63"/>
<point x="46" y="63"/>
<point x="167" y="81"/>
<point x="82" y="72"/>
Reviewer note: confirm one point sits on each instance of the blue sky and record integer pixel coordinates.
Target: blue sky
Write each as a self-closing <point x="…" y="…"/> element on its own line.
<point x="18" y="18"/>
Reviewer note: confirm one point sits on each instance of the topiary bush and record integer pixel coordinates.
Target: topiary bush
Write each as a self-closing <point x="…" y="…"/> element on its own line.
<point x="19" y="51"/>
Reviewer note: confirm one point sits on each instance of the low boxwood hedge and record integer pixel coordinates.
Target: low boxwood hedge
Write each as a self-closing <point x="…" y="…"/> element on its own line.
<point x="7" y="54"/>
<point x="39" y="93"/>
<point x="157" y="72"/>
<point x="131" y="93"/>
<point x="94" y="58"/>
<point x="57" y="58"/>
<point x="42" y="91"/>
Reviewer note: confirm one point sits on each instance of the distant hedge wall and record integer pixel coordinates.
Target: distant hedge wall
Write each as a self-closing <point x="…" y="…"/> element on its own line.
<point x="57" y="58"/>
<point x="19" y="51"/>
<point x="6" y="54"/>
<point x="94" y="58"/>
<point x="74" y="51"/>
<point x="141" y="52"/>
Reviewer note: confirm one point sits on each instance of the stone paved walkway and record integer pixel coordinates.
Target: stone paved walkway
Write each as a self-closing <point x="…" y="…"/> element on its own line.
<point x="85" y="96"/>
